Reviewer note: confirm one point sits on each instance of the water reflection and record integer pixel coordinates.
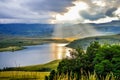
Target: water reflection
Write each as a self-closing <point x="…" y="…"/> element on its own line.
<point x="58" y="50"/>
<point x="33" y="55"/>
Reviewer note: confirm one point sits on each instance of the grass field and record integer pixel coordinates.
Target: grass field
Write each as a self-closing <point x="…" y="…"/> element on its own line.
<point x="33" y="72"/>
<point x="90" y="76"/>
<point x="47" y="67"/>
<point x="22" y="75"/>
<point x="41" y="67"/>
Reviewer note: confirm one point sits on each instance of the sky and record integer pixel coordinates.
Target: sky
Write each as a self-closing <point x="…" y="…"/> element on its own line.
<point x="59" y="11"/>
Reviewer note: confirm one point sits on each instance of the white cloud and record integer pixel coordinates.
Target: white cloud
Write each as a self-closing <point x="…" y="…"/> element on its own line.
<point x="97" y="11"/>
<point x="117" y="12"/>
<point x="31" y="10"/>
<point x="44" y="11"/>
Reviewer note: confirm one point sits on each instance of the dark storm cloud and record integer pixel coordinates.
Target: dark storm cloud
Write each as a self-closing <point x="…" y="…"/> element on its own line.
<point x="99" y="9"/>
<point x="32" y="9"/>
<point x="109" y="12"/>
<point x="49" y="5"/>
<point x="90" y="16"/>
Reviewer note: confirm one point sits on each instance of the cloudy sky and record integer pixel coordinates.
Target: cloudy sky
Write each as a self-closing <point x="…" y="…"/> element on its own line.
<point x="59" y="11"/>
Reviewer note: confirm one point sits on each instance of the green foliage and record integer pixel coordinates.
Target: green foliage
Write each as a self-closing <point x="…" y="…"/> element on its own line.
<point x="101" y="59"/>
<point x="91" y="53"/>
<point x="103" y="68"/>
<point x="108" y="60"/>
<point x="52" y="75"/>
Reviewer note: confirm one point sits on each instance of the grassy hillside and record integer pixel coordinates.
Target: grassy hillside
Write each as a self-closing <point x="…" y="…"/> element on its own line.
<point x="48" y="66"/>
<point x="84" y="42"/>
<point x="42" y="67"/>
<point x="34" y="72"/>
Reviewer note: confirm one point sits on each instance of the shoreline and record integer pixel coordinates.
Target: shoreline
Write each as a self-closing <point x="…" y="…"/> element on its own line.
<point x="12" y="48"/>
<point x="19" y="44"/>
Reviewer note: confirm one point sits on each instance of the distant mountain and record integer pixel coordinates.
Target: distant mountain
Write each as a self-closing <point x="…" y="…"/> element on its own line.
<point x="27" y="30"/>
<point x="110" y="27"/>
<point x="89" y="29"/>
<point x="62" y="31"/>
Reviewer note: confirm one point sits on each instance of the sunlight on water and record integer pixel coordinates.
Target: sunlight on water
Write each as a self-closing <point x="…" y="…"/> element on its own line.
<point x="32" y="55"/>
<point x="58" y="50"/>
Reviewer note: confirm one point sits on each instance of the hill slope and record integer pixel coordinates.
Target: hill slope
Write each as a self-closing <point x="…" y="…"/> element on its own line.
<point x="84" y="42"/>
<point x="40" y="67"/>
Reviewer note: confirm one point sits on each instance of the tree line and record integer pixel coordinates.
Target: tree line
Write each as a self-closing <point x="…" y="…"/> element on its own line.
<point x="98" y="59"/>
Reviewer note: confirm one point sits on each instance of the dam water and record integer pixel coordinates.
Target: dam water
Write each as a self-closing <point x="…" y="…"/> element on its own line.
<point x="33" y="55"/>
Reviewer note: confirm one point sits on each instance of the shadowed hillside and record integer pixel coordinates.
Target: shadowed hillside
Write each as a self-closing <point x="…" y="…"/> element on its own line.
<point x="84" y="42"/>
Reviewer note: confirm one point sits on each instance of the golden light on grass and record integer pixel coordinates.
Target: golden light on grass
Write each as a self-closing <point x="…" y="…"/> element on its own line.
<point x="67" y="38"/>
<point x="22" y="75"/>
<point x="71" y="39"/>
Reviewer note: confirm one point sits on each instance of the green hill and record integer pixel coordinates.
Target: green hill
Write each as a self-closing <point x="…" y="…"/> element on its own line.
<point x="84" y="42"/>
<point x="40" y="67"/>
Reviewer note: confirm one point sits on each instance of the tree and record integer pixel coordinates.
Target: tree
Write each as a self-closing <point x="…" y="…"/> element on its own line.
<point x="100" y="59"/>
<point x="91" y="52"/>
<point x="52" y="75"/>
<point x="108" y="60"/>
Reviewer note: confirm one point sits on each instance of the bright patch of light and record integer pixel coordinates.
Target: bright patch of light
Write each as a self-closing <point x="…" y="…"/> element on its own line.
<point x="73" y="12"/>
<point x="80" y="6"/>
<point x="68" y="52"/>
<point x="117" y="12"/>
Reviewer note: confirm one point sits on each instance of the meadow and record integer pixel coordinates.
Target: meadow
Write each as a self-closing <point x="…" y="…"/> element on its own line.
<point x="33" y="72"/>
<point x="22" y="75"/>
<point x="40" y="67"/>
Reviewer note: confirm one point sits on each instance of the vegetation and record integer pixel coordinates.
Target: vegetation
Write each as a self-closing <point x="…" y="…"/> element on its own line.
<point x="35" y="72"/>
<point x="22" y="75"/>
<point x="42" y="67"/>
<point x="11" y="48"/>
<point x="55" y="76"/>
<point x="109" y="39"/>
<point x="98" y="62"/>
<point x="13" y="44"/>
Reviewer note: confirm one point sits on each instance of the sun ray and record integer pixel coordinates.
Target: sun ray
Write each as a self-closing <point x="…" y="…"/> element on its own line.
<point x="73" y="12"/>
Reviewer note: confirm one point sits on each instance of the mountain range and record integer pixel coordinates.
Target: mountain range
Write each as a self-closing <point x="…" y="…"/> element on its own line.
<point x="47" y="30"/>
<point x="27" y="30"/>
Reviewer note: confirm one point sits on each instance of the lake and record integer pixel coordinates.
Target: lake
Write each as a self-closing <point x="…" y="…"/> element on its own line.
<point x="37" y="54"/>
